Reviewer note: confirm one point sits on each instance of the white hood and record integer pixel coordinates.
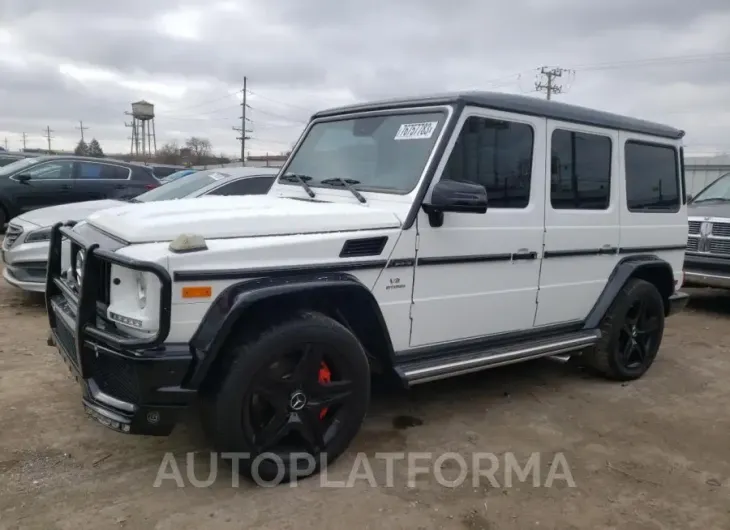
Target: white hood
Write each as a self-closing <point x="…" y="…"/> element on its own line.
<point x="241" y="216"/>
<point x="75" y="211"/>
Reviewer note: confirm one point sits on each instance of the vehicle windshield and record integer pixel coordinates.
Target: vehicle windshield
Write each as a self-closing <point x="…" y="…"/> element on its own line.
<point x="183" y="187"/>
<point x="15" y="166"/>
<point x="379" y="153"/>
<point x="717" y="191"/>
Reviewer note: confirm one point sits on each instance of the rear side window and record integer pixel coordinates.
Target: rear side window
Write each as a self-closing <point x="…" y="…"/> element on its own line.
<point x="580" y="175"/>
<point x="92" y="170"/>
<point x="652" y="177"/>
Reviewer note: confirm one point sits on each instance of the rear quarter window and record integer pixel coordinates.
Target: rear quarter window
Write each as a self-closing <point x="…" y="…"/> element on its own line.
<point x="652" y="177"/>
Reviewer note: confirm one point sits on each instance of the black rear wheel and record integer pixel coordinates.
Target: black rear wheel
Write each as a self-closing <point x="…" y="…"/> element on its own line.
<point x="292" y="400"/>
<point x="631" y="333"/>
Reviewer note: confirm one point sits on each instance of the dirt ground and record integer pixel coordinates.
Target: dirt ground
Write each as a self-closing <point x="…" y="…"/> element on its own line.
<point x="654" y="454"/>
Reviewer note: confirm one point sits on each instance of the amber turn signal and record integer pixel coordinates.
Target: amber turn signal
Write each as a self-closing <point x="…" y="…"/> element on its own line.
<point x="197" y="292"/>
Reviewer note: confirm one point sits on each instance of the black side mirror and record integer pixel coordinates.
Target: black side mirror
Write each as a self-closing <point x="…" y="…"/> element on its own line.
<point x="23" y="177"/>
<point x="455" y="196"/>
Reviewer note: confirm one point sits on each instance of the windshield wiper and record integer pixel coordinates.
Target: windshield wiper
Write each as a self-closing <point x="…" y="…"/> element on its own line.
<point x="348" y="183"/>
<point x="301" y="179"/>
<point x="716" y="199"/>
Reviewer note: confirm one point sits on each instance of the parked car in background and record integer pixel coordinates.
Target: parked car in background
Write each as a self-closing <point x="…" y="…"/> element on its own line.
<point x="178" y="174"/>
<point x="707" y="259"/>
<point x="42" y="181"/>
<point x="163" y="170"/>
<point x="25" y="249"/>
<point x="7" y="157"/>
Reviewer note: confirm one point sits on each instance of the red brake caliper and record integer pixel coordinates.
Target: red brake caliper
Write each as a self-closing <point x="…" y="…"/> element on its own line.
<point x="325" y="376"/>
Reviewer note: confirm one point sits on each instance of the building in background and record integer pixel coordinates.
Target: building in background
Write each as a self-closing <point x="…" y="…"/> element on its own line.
<point x="700" y="171"/>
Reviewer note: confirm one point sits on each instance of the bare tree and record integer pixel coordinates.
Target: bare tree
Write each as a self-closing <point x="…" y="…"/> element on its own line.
<point x="200" y="149"/>
<point x="169" y="154"/>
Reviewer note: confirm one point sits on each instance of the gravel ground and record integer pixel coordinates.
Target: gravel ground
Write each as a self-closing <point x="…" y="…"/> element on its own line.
<point x="653" y="454"/>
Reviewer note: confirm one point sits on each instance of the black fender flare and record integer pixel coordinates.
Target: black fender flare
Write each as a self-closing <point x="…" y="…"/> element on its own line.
<point x="236" y="300"/>
<point x="643" y="265"/>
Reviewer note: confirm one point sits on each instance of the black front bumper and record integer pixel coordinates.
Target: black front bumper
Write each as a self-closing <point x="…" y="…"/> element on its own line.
<point x="131" y="385"/>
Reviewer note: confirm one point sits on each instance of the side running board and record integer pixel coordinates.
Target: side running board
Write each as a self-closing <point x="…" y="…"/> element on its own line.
<point x="418" y="371"/>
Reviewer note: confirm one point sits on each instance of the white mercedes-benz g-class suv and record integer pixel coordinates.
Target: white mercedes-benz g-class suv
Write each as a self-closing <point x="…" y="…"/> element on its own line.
<point x="425" y="237"/>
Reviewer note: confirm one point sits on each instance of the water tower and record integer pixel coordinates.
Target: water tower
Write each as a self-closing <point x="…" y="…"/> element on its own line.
<point x="144" y="139"/>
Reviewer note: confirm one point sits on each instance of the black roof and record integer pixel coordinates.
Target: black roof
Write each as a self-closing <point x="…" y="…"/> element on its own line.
<point x="519" y="104"/>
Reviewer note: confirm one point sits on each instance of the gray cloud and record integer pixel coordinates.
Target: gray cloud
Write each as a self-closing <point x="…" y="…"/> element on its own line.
<point x="301" y="56"/>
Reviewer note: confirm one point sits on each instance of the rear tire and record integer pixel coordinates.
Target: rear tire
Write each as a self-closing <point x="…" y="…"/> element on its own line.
<point x="632" y="332"/>
<point x="273" y="384"/>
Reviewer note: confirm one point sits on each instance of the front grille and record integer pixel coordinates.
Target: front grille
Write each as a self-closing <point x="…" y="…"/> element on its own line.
<point x="117" y="378"/>
<point x="692" y="244"/>
<point x="694" y="227"/>
<point x="720" y="246"/>
<point x="721" y="229"/>
<point x="103" y="273"/>
<point x="11" y="235"/>
<point x="66" y="338"/>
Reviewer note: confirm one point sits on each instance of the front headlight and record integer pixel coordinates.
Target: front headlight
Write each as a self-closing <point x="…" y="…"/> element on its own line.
<point x="79" y="266"/>
<point x="141" y="290"/>
<point x="36" y="236"/>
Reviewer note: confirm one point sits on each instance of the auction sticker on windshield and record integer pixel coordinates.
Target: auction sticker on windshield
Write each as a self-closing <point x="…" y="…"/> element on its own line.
<point x="416" y="131"/>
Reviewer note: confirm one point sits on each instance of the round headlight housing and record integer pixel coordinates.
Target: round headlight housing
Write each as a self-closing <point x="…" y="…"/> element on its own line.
<point x="141" y="290"/>
<point x="79" y="266"/>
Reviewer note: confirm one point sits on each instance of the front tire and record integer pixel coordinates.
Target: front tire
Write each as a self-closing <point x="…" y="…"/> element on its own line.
<point x="632" y="332"/>
<point x="292" y="399"/>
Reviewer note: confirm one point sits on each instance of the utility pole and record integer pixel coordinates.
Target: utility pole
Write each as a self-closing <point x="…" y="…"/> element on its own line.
<point x="550" y="87"/>
<point x="242" y="129"/>
<point x="48" y="137"/>
<point x="82" y="129"/>
<point x="25" y="136"/>
<point x="6" y="143"/>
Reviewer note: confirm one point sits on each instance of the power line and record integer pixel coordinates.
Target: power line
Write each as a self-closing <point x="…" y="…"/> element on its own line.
<point x="215" y="100"/>
<point x="649" y="61"/>
<point x="279" y="116"/>
<point x="279" y="101"/>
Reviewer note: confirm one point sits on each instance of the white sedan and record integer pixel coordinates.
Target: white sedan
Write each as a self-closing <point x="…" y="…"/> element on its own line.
<point x="25" y="248"/>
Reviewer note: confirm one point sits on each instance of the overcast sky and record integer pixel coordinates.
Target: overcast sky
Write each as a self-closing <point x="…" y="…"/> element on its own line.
<point x="62" y="61"/>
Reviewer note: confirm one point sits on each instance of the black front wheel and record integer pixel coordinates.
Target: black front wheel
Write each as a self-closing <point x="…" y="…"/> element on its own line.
<point x="631" y="333"/>
<point x="292" y="399"/>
